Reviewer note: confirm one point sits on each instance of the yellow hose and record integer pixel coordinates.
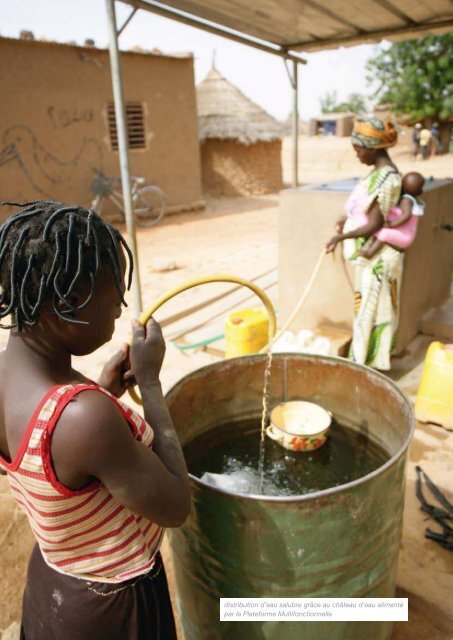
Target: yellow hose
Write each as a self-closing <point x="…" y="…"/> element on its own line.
<point x="195" y="283"/>
<point x="303" y="297"/>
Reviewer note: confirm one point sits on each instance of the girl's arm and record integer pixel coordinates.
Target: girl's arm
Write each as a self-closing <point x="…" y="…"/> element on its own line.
<point x="375" y="222"/>
<point x="405" y="205"/>
<point x="93" y="440"/>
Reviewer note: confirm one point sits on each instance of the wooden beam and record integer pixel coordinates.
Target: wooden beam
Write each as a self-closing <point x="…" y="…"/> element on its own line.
<point x="375" y="36"/>
<point x="388" y="6"/>
<point x="331" y="14"/>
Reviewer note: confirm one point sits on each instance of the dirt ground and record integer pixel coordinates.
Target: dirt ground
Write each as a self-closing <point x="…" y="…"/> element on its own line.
<point x="325" y="158"/>
<point x="239" y="236"/>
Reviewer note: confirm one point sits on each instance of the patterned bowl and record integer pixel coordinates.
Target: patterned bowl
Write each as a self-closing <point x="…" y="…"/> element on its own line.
<point x="299" y="425"/>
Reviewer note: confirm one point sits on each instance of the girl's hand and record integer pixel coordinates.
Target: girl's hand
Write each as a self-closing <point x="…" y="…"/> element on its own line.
<point x="147" y="351"/>
<point x="116" y="376"/>
<point x="331" y="245"/>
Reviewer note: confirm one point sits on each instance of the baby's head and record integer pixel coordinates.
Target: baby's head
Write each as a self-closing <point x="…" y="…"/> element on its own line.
<point x="413" y="183"/>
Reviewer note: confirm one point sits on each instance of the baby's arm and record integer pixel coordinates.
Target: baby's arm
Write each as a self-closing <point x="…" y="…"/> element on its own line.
<point x="372" y="250"/>
<point x="405" y="205"/>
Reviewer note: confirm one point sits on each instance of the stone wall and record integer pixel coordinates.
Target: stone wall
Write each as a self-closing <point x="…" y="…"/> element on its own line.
<point x="229" y="168"/>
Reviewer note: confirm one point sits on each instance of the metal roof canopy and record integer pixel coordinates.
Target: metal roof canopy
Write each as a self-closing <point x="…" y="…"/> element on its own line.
<point x="310" y="25"/>
<point x="278" y="27"/>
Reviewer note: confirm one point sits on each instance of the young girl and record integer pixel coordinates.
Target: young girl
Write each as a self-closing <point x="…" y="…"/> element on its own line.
<point x="401" y="227"/>
<point x="97" y="482"/>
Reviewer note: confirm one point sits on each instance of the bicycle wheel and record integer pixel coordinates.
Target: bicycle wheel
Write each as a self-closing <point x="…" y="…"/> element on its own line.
<point x="149" y="206"/>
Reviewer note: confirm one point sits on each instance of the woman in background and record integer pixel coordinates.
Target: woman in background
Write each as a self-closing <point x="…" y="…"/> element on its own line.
<point x="377" y="280"/>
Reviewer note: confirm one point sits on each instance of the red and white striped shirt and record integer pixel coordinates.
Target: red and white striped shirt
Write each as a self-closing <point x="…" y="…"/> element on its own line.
<point x="85" y="533"/>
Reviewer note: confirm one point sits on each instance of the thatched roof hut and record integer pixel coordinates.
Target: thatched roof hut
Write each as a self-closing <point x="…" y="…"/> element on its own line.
<point x="225" y="112"/>
<point x="240" y="142"/>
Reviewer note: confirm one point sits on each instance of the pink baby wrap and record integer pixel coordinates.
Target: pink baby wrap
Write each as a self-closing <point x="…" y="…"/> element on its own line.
<point x="402" y="236"/>
<point x="356" y="207"/>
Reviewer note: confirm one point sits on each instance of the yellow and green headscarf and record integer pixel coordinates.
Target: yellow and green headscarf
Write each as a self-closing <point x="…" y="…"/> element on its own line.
<point x="373" y="133"/>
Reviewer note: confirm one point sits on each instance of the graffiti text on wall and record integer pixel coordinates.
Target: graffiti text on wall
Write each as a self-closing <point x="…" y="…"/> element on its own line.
<point x="43" y="169"/>
<point x="68" y="117"/>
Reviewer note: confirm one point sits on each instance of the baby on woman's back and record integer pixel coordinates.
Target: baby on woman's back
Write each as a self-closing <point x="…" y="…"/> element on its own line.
<point x="400" y="228"/>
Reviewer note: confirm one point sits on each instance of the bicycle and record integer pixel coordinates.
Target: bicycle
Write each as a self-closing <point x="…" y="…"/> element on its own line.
<point x="148" y="200"/>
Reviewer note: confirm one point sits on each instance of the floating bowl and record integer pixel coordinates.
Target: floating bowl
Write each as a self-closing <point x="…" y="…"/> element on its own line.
<point x="299" y="425"/>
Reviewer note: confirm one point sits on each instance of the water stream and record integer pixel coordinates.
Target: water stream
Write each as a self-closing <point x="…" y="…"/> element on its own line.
<point x="264" y="415"/>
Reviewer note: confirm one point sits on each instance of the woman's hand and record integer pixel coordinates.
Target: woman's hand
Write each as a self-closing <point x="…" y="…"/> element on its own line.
<point x="331" y="245"/>
<point x="116" y="376"/>
<point x="147" y="351"/>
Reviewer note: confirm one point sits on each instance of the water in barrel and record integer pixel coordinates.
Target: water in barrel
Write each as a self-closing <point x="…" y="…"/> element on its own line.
<point x="228" y="458"/>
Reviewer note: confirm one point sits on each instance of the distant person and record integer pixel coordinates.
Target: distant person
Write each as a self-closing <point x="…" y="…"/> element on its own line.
<point x="416" y="139"/>
<point x="435" y="139"/>
<point x="401" y="227"/>
<point x="378" y="280"/>
<point x="425" y="143"/>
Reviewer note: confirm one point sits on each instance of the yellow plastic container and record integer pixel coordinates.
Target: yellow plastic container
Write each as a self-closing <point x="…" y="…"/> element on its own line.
<point x="246" y="331"/>
<point x="434" y="401"/>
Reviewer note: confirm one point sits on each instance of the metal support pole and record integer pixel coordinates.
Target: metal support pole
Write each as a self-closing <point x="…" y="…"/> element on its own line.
<point x="123" y="148"/>
<point x="126" y="22"/>
<point x="186" y="18"/>
<point x="295" y="127"/>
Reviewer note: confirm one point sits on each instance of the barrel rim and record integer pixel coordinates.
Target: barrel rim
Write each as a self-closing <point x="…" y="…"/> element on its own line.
<point x="307" y="497"/>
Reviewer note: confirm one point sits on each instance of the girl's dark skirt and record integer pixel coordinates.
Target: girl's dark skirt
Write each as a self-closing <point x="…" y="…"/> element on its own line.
<point x="60" y="607"/>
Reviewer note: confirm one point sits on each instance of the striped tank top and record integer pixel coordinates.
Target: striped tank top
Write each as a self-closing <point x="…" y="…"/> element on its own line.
<point x="84" y="533"/>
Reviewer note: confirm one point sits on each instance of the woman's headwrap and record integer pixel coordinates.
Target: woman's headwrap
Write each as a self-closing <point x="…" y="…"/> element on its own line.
<point x="372" y="133"/>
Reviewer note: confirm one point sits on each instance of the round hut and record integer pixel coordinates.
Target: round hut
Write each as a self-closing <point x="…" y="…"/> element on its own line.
<point x="240" y="142"/>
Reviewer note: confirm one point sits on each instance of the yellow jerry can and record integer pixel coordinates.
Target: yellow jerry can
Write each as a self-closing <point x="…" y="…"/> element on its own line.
<point x="246" y="331"/>
<point x="434" y="401"/>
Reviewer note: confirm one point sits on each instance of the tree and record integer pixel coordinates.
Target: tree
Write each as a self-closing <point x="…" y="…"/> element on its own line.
<point x="328" y="102"/>
<point x="355" y="103"/>
<point x="416" y="77"/>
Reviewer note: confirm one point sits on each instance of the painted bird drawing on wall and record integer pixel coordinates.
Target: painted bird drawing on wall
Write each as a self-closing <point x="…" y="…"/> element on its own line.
<point x="44" y="170"/>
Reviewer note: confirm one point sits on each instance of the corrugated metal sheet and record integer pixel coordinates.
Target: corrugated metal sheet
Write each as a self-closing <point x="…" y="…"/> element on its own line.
<point x="311" y="25"/>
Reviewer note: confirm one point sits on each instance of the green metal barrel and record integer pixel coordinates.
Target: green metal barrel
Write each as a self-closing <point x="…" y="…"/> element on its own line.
<point x="341" y="542"/>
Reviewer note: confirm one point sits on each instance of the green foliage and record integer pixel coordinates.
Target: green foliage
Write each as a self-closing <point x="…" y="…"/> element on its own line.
<point x="355" y="103"/>
<point x="416" y="77"/>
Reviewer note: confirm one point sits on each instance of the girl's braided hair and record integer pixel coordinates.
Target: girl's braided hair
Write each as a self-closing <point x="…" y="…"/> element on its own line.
<point x="45" y="250"/>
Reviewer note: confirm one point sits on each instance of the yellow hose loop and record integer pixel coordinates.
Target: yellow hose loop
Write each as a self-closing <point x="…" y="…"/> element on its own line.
<point x="146" y="315"/>
<point x="303" y="297"/>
